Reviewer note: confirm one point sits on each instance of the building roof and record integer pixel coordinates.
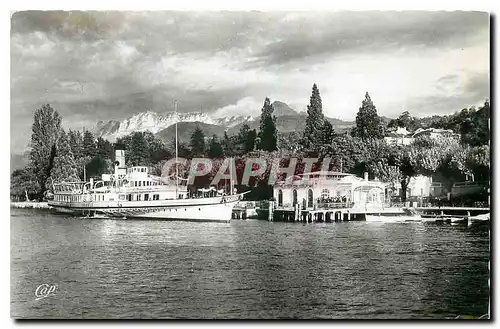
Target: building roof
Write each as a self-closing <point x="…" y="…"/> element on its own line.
<point x="326" y="173"/>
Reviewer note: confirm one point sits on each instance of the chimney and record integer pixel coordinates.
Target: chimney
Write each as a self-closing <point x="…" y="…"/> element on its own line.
<point x="120" y="167"/>
<point x="366" y="176"/>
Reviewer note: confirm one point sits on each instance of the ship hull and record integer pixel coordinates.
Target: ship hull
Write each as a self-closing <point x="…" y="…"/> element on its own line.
<point x="217" y="209"/>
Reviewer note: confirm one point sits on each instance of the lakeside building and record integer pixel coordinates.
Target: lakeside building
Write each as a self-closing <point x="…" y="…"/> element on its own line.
<point x="401" y="136"/>
<point x="435" y="133"/>
<point x="419" y="186"/>
<point x="326" y="187"/>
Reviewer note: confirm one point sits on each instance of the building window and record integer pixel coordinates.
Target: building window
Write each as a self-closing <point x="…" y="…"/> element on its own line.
<point x="156" y="197"/>
<point x="146" y="197"/>
<point x="310" y="198"/>
<point x="294" y="197"/>
<point x="280" y="198"/>
<point x="138" y="197"/>
<point x="325" y="193"/>
<point x="139" y="183"/>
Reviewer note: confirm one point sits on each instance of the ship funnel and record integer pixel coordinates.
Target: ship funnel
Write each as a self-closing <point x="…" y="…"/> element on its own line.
<point x="120" y="158"/>
<point x="120" y="167"/>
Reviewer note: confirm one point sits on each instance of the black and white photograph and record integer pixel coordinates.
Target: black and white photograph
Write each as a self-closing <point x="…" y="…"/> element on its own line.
<point x="250" y="164"/>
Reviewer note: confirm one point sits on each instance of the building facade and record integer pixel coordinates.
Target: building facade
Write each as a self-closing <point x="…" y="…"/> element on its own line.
<point x="318" y="189"/>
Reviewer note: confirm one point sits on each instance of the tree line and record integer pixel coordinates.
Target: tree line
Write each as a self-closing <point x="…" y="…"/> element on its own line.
<point x="57" y="155"/>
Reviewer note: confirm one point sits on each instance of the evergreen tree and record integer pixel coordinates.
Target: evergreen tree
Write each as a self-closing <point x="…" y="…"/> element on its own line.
<point x="156" y="148"/>
<point x="138" y="152"/>
<point x="268" y="132"/>
<point x="314" y="130"/>
<point x="76" y="143"/>
<point x="215" y="148"/>
<point x="368" y="123"/>
<point x="228" y="145"/>
<point x="89" y="147"/>
<point x="45" y="132"/>
<point x="105" y="148"/>
<point x="197" y="142"/>
<point x="250" y="141"/>
<point x="64" y="168"/>
<point x="246" y="139"/>
<point x="243" y="134"/>
<point x="99" y="165"/>
<point x="327" y="133"/>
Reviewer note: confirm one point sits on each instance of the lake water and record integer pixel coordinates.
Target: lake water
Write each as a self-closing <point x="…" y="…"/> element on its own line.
<point x="245" y="269"/>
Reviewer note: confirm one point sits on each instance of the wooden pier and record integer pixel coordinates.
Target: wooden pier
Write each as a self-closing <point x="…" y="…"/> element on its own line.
<point x="328" y="215"/>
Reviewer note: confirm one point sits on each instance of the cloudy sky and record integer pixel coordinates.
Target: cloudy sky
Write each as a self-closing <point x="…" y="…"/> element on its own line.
<point x="95" y="66"/>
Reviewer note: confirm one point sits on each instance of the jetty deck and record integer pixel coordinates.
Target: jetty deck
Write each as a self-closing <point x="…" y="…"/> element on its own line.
<point x="358" y="213"/>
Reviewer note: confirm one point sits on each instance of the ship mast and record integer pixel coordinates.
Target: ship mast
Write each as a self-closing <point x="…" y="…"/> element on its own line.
<point x="231" y="183"/>
<point x="176" y="155"/>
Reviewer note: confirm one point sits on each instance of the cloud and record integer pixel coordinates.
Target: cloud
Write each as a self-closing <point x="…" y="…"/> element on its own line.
<point x="245" y="106"/>
<point x="367" y="32"/>
<point x="109" y="65"/>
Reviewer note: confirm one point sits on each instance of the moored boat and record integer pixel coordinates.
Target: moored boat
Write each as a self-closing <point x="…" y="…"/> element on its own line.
<point x="483" y="218"/>
<point x="135" y="193"/>
<point x="393" y="219"/>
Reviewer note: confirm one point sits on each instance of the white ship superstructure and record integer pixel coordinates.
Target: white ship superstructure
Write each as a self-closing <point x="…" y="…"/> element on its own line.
<point x="135" y="193"/>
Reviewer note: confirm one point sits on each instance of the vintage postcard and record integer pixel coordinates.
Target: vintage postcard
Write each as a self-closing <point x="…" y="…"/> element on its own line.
<point x="250" y="165"/>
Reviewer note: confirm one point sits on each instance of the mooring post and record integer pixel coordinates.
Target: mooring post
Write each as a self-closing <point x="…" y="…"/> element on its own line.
<point x="271" y="211"/>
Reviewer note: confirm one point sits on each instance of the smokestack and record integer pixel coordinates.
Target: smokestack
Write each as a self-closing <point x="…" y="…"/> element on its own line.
<point x="366" y="176"/>
<point x="120" y="167"/>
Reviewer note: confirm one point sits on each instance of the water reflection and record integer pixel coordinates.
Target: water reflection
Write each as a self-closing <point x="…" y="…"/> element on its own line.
<point x="247" y="269"/>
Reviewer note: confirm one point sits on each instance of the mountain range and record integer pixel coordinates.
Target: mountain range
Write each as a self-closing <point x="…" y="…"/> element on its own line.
<point x="163" y="125"/>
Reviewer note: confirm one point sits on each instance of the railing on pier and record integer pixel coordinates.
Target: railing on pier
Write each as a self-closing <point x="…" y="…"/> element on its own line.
<point x="335" y="205"/>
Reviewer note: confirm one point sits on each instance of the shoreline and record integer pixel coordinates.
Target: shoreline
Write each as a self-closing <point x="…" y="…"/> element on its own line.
<point x="30" y="205"/>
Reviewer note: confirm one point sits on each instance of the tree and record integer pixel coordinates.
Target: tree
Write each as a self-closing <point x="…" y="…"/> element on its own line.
<point x="89" y="147"/>
<point x="198" y="142"/>
<point x="215" y="148"/>
<point x="228" y="145"/>
<point x="76" y="143"/>
<point x="327" y="133"/>
<point x="99" y="165"/>
<point x="314" y="130"/>
<point x="245" y="139"/>
<point x="45" y="132"/>
<point x="474" y="125"/>
<point x="477" y="162"/>
<point x="405" y="120"/>
<point x="368" y="123"/>
<point x="183" y="150"/>
<point x="268" y="133"/>
<point x="64" y="168"/>
<point x="138" y="151"/>
<point x="156" y="148"/>
<point x="287" y="142"/>
<point x="105" y="148"/>
<point x="24" y="184"/>
<point x="250" y="141"/>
